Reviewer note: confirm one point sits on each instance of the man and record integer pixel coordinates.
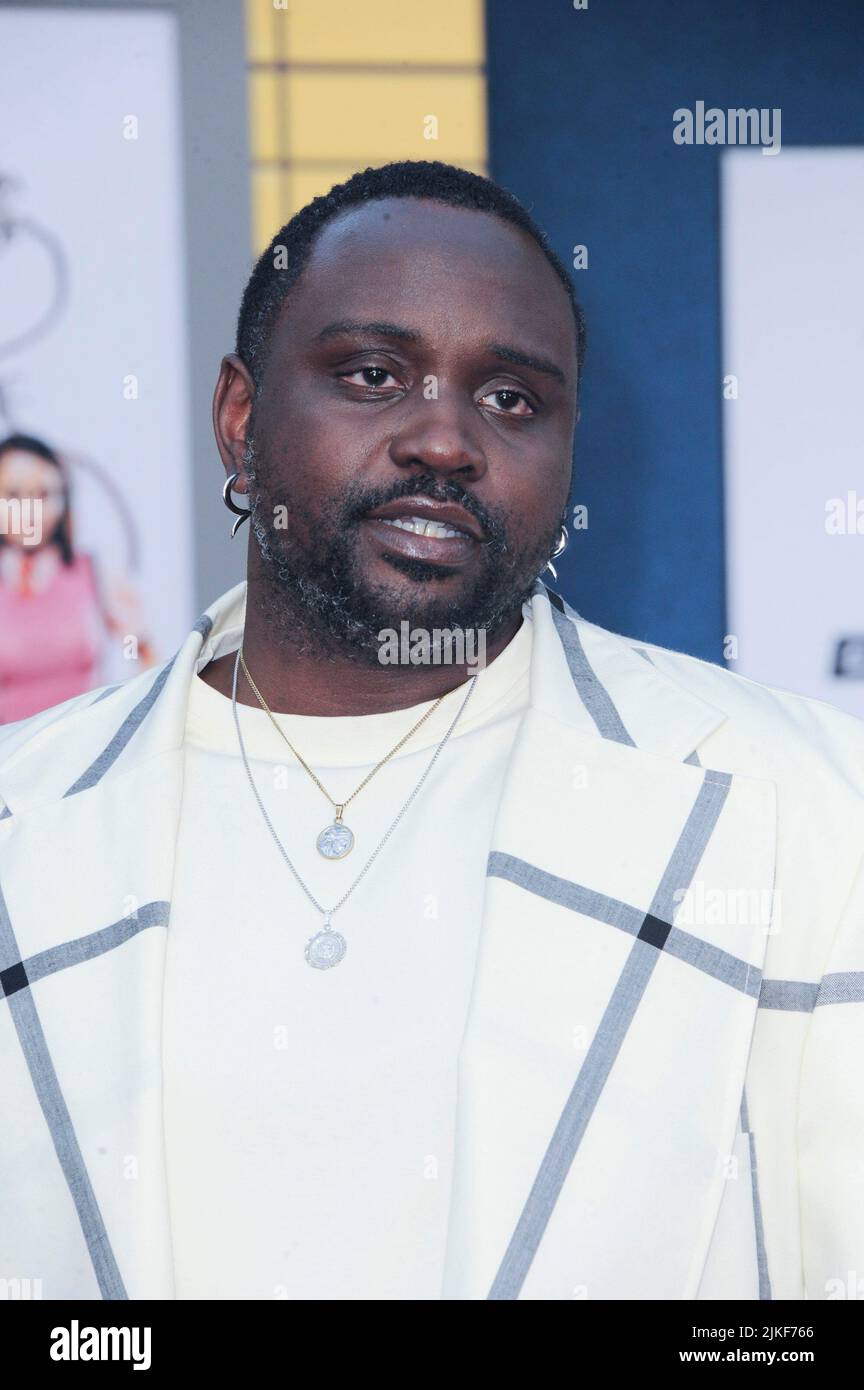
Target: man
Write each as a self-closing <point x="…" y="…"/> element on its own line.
<point x="334" y="977"/>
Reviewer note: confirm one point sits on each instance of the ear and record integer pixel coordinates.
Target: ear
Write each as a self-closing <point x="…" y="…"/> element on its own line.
<point x="232" y="406"/>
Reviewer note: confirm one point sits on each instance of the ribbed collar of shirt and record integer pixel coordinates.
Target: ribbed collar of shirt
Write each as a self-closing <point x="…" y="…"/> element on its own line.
<point x="357" y="740"/>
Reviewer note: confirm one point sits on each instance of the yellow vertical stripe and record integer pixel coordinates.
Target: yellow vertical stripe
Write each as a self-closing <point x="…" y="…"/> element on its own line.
<point x="331" y="92"/>
<point x="389" y="31"/>
<point x="364" y="116"/>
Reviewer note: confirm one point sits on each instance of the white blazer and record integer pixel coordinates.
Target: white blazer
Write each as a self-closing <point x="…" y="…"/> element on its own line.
<point x="661" y="1081"/>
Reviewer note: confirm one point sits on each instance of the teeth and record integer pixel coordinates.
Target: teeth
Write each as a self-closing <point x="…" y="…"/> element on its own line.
<point x="421" y="527"/>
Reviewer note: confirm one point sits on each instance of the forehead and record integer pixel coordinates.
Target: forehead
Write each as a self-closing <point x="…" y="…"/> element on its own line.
<point x="451" y="272"/>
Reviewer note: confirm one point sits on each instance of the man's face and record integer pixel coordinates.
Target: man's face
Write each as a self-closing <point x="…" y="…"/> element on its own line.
<point x="459" y="389"/>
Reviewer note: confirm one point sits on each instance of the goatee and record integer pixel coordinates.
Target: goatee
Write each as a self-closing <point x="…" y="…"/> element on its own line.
<point x="316" y="599"/>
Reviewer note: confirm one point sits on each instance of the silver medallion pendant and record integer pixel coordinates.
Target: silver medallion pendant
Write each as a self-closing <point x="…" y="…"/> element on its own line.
<point x="335" y="841"/>
<point x="326" y="948"/>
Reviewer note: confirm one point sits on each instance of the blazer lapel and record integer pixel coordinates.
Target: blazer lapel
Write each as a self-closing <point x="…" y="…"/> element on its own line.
<point x="604" y="1056"/>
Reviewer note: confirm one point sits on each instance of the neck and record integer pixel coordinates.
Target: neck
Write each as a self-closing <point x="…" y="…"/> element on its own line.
<point x="304" y="678"/>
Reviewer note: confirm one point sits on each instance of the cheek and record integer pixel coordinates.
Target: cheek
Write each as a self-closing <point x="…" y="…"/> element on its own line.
<point x="312" y="454"/>
<point x="535" y="504"/>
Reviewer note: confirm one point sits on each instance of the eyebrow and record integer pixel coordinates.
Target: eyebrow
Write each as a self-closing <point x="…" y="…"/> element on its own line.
<point x="384" y="330"/>
<point x="412" y="335"/>
<point x="527" y="359"/>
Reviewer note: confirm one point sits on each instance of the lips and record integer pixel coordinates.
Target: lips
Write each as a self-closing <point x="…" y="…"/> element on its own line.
<point x="453" y="549"/>
<point x="421" y="526"/>
<point x="422" y="510"/>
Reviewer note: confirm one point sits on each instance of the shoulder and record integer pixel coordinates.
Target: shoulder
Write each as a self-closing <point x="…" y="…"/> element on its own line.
<point x="767" y="732"/>
<point x="112" y="728"/>
<point x="813" y="754"/>
<point x="70" y="717"/>
<point x="774" y="726"/>
<point x="22" y="731"/>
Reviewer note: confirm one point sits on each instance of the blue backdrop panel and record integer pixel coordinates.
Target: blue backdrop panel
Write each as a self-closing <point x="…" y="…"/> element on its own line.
<point x="581" y="105"/>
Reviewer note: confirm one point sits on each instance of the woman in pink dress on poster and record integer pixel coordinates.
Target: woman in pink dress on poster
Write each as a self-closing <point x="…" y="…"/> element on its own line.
<point x="54" y="612"/>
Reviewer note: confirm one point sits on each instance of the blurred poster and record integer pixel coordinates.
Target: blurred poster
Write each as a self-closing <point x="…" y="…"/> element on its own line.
<point x="793" y="323"/>
<point x="95" y="512"/>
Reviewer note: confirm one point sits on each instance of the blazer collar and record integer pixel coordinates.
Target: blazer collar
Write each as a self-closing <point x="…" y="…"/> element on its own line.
<point x="598" y="681"/>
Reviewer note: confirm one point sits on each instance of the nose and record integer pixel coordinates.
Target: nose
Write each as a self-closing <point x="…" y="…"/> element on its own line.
<point x="438" y="437"/>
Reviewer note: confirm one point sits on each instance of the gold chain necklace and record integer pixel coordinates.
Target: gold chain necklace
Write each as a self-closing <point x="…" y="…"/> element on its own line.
<point x="335" y="840"/>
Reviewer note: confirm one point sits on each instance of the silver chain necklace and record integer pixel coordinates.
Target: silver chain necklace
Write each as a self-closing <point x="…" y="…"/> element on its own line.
<point x="327" y="947"/>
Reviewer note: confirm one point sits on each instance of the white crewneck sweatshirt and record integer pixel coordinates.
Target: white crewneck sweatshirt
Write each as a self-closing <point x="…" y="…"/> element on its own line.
<point x="309" y="1114"/>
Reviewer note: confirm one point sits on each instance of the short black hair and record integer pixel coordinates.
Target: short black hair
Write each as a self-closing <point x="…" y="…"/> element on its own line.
<point x="292" y="245"/>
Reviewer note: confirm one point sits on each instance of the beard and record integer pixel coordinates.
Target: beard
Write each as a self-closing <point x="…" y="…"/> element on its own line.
<point x="317" y="600"/>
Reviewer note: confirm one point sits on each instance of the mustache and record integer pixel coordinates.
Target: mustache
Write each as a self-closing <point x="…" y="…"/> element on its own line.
<point x="358" y="500"/>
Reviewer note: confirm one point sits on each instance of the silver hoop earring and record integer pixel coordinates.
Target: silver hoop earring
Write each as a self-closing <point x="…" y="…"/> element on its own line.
<point x="241" y="512"/>
<point x="559" y="550"/>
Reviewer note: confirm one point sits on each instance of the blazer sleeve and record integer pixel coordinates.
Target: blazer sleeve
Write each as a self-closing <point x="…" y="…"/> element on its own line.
<point x="831" y="1116"/>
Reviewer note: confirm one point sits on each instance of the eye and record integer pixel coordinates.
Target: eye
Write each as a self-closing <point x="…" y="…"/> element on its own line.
<point x="377" y="373"/>
<point x="506" y="399"/>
